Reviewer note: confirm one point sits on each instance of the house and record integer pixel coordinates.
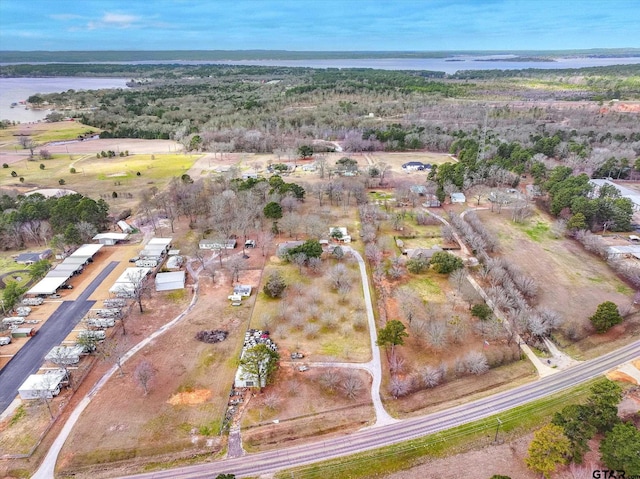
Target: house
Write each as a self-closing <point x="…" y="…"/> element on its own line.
<point x="125" y="227"/>
<point x="422" y="253"/>
<point x="30" y="258"/>
<point x="242" y="290"/>
<point x="110" y="239"/>
<point x="252" y="338"/>
<point x="217" y="244"/>
<point x="414" y="166"/>
<point x="282" y="248"/>
<point x="458" y="198"/>
<point x="419" y="190"/>
<point x="46" y="385"/>
<point x="170" y="281"/>
<point x="431" y="201"/>
<point x="339" y="233"/>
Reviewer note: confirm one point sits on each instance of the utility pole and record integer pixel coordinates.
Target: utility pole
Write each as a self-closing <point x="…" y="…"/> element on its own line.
<point x="495" y="439"/>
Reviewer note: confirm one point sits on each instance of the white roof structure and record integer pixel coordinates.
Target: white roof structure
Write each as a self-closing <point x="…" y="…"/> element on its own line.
<point x="160" y="241"/>
<point x="170" y="281"/>
<point x="153" y="251"/>
<point x="64" y="355"/>
<point x="37" y="385"/>
<point x="126" y="281"/>
<point x="458" y="198"/>
<point x="74" y="260"/>
<point x="86" y="251"/>
<point x="111" y="236"/>
<point x="124" y="226"/>
<point x="625" y="192"/>
<point x="48" y="285"/>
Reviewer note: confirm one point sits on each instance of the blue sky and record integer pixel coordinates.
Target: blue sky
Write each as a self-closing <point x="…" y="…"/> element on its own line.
<point x="318" y="24"/>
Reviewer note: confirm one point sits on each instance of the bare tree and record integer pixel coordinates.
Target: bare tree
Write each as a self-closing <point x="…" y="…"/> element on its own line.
<point x="330" y="379"/>
<point x="139" y="289"/>
<point x="235" y="264"/>
<point x="476" y="363"/>
<point x="340" y="278"/>
<point x="433" y="375"/>
<point x="396" y="364"/>
<point x="399" y="387"/>
<point x="144" y="374"/>
<point x="271" y="400"/>
<point x="351" y="385"/>
<point x="113" y="351"/>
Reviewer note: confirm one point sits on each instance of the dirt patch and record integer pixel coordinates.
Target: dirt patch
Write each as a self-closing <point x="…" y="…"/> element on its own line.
<point x="620" y="376"/>
<point x="190" y="398"/>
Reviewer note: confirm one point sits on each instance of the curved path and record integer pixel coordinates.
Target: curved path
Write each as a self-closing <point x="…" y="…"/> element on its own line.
<point x="47" y="468"/>
<point x="375" y="365"/>
<point x="373" y="438"/>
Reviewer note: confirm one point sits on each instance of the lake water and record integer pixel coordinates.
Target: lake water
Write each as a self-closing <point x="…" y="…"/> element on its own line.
<point x="14" y="90"/>
<point x="447" y="65"/>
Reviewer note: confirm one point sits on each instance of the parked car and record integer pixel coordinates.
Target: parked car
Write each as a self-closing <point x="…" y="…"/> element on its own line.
<point x="133" y="260"/>
<point x="297" y="355"/>
<point x="66" y="286"/>
<point x="4" y="340"/>
<point x="303" y="368"/>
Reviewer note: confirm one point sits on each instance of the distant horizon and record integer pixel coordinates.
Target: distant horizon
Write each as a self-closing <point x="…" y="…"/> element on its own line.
<point x="318" y="25"/>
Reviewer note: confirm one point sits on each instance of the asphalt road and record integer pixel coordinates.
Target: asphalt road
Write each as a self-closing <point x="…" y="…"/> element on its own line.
<point x="372" y="438"/>
<point x="31" y="356"/>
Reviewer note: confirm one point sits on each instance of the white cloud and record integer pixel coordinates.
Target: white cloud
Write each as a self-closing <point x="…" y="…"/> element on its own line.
<point x="120" y="20"/>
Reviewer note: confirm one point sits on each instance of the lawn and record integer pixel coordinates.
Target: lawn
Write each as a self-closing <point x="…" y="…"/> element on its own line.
<point x="46" y="132"/>
<point x="100" y="177"/>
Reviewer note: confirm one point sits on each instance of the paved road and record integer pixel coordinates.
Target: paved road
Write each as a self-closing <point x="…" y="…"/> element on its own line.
<point x="31" y="356"/>
<point x="269" y="462"/>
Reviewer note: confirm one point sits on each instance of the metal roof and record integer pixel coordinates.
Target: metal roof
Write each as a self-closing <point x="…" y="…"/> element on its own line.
<point x="48" y="285"/>
<point x="170" y="277"/>
<point x="87" y="250"/>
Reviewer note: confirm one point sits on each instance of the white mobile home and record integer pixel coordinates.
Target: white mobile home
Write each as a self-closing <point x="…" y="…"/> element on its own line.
<point x="39" y="386"/>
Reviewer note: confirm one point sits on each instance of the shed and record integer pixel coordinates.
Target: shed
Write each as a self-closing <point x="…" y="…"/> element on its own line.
<point x="46" y="385"/>
<point x="125" y="227"/>
<point x="170" y="281"/>
<point x="110" y="238"/>
<point x="23" y="333"/>
<point x="173" y="252"/>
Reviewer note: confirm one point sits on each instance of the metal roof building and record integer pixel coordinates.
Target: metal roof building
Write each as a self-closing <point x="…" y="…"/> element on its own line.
<point x="170" y="281"/>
